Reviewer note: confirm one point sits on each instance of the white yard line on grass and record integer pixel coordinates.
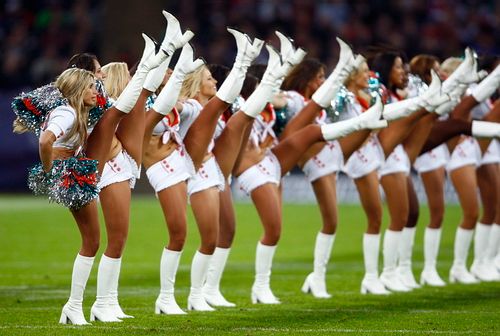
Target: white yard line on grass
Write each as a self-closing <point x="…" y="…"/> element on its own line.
<point x="284" y="330"/>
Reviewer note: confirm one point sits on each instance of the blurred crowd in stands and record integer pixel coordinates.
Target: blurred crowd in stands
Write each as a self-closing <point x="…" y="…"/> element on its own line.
<point x="39" y="36"/>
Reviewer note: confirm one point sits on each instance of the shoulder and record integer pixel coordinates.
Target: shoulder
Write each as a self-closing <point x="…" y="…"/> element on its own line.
<point x="64" y="110"/>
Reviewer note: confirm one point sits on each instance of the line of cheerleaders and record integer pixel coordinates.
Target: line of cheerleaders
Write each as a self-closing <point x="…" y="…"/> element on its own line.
<point x="96" y="128"/>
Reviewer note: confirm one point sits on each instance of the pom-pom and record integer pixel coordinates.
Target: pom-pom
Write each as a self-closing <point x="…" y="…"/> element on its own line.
<point x="282" y="118"/>
<point x="340" y="103"/>
<point x="71" y="182"/>
<point x="102" y="104"/>
<point x="150" y="102"/>
<point x="32" y="107"/>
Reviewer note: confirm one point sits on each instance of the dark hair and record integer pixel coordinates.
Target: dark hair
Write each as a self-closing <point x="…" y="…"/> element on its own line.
<point x="382" y="60"/>
<point x="257" y="70"/>
<point x="301" y="75"/>
<point x="421" y="65"/>
<point x="219" y="72"/>
<point x="83" y="61"/>
<point x="249" y="85"/>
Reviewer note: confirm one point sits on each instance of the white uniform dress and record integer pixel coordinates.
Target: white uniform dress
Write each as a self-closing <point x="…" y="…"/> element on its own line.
<point x="209" y="174"/>
<point x="368" y="157"/>
<point x="397" y="161"/>
<point x="120" y="168"/>
<point x="492" y="153"/>
<point x="177" y="166"/>
<point x="330" y="159"/>
<point x="268" y="170"/>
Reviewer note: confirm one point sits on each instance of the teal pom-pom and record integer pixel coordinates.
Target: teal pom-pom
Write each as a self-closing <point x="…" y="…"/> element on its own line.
<point x="71" y="182"/>
<point x="33" y="107"/>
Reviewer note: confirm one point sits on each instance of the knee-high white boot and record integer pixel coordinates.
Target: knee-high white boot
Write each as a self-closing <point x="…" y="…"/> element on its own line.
<point x="315" y="282"/>
<point x="371" y="283"/>
<point x="114" y="305"/>
<point x="165" y="303"/>
<point x="211" y="289"/>
<point x="72" y="311"/>
<point x="405" y="254"/>
<point x="101" y="310"/>
<point x="430" y="276"/>
<point x="261" y="289"/>
<point x="479" y="266"/>
<point x="389" y="276"/>
<point x="458" y="272"/>
<point x="199" y="268"/>
<point x="493" y="246"/>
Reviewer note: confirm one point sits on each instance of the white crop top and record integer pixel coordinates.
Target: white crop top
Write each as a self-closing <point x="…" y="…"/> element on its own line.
<point x="60" y="122"/>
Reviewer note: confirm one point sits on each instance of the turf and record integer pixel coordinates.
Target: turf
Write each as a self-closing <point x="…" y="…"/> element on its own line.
<point x="39" y="242"/>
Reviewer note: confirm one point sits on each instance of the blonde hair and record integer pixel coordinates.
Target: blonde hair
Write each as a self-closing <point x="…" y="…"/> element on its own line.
<point x="192" y="83"/>
<point x="117" y="78"/>
<point x="72" y="83"/>
<point x="352" y="76"/>
<point x="18" y="126"/>
<point x="449" y="65"/>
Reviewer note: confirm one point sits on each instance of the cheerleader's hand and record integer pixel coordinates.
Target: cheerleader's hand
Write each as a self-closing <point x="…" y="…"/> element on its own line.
<point x="174" y="39"/>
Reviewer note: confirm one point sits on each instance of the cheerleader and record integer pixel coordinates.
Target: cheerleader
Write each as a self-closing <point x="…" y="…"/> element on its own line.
<point x="196" y="118"/>
<point x="431" y="168"/>
<point x="260" y="170"/>
<point x="66" y="130"/>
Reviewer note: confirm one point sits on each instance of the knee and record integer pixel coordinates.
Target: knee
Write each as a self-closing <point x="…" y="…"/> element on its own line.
<point x="90" y="246"/>
<point x="471" y="215"/>
<point x="209" y="241"/>
<point x="329" y="225"/>
<point x="271" y="237"/>
<point x="374" y="218"/>
<point x="226" y="237"/>
<point x="177" y="239"/>
<point x="116" y="246"/>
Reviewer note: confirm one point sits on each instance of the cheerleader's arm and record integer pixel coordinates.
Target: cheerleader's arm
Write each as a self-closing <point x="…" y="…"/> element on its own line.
<point x="45" y="143"/>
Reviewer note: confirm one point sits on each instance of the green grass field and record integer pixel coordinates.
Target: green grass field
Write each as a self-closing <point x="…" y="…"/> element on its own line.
<point x="38" y="243"/>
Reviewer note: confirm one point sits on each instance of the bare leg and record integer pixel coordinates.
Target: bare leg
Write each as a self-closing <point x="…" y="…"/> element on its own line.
<point x="433" y="182"/>
<point x="228" y="144"/>
<point x="324" y="189"/>
<point x="353" y="142"/>
<point x="464" y="180"/>
<point x="415" y="141"/>
<point x="463" y="109"/>
<point x="397" y="131"/>
<point x="395" y="188"/>
<point x="368" y="190"/>
<point x="202" y="130"/>
<point x="115" y="203"/>
<point x="173" y="201"/>
<point x="487" y="180"/>
<point x="305" y="117"/>
<point x="289" y="151"/>
<point x="130" y="131"/>
<point x="413" y="213"/>
<point x="267" y="203"/>
<point x="87" y="220"/>
<point x="444" y="130"/>
<point x="227" y="219"/>
<point x="205" y="206"/>
<point x="99" y="141"/>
